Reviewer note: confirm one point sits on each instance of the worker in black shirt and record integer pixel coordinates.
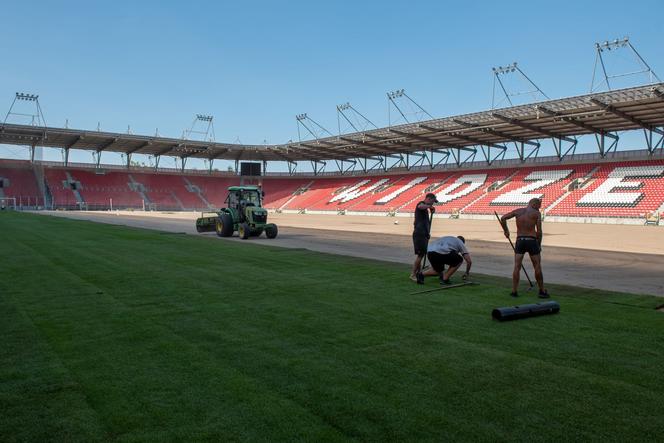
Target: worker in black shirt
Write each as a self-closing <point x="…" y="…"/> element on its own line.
<point x="421" y="231"/>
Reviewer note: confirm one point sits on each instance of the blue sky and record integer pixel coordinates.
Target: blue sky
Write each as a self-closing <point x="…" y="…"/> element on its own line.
<point x="255" y="65"/>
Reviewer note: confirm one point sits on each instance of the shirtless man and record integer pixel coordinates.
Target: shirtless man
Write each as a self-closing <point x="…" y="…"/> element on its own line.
<point x="528" y="239"/>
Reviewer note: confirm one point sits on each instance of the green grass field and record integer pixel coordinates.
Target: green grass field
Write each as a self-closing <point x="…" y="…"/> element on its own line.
<point x="111" y="333"/>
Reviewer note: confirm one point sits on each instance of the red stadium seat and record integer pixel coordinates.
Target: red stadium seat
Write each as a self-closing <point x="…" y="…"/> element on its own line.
<point x="612" y="189"/>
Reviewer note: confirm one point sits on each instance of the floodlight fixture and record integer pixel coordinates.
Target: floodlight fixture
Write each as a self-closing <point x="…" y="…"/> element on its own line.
<point x="27" y="97"/>
<point x="300" y="117"/>
<point x="615" y="44"/>
<point x="505" y="69"/>
<point x="343" y="106"/>
<point x="396" y="94"/>
<point x="205" y="118"/>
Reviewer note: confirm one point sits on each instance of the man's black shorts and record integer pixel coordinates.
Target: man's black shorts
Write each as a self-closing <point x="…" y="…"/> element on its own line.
<point x="438" y="261"/>
<point x="420" y="243"/>
<point x="527" y="244"/>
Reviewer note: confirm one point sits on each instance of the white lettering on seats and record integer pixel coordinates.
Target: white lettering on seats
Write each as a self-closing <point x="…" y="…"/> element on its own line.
<point x="540" y="179"/>
<point x="349" y="189"/>
<point x="474" y="182"/>
<point x="603" y="195"/>
<point x="392" y="195"/>
<point x="354" y="191"/>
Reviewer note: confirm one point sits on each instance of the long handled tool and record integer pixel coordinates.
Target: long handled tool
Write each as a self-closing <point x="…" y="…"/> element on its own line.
<point x="424" y="262"/>
<point x="457" y="285"/>
<point x="513" y="249"/>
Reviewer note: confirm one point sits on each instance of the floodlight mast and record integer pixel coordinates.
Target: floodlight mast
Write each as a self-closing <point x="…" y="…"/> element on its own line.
<point x="613" y="46"/>
<point x="356" y="122"/>
<point x="202" y="127"/>
<point x="399" y="95"/>
<point x="353" y="117"/>
<point x="316" y="130"/>
<point x="512" y="69"/>
<point x="36" y="117"/>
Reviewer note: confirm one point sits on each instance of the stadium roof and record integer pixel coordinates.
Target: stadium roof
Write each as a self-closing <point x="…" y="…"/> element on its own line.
<point x="600" y="113"/>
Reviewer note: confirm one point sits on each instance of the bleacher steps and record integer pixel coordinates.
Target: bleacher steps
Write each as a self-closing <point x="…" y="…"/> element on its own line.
<point x="196" y="190"/>
<point x="589" y="178"/>
<point x="139" y="188"/>
<point x="503" y="183"/>
<point x="177" y="200"/>
<point x="38" y="170"/>
<point x="77" y="194"/>
<point x="567" y="192"/>
<point x="557" y="202"/>
<point x="661" y="209"/>
<point x="306" y="188"/>
<point x="482" y="195"/>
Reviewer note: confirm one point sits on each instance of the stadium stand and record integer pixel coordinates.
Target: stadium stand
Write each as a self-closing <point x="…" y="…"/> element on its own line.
<point x="98" y="190"/>
<point x="280" y="191"/>
<point x="624" y="189"/>
<point x="19" y="182"/>
<point x="57" y="183"/>
<point x="458" y="190"/>
<point x="213" y="189"/>
<point x="321" y="191"/>
<point x="170" y="191"/>
<point x="548" y="183"/>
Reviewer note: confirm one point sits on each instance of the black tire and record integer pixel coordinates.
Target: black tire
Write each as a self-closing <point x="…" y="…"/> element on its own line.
<point x="271" y="231"/>
<point x="199" y="228"/>
<point x="244" y="230"/>
<point x="224" y="225"/>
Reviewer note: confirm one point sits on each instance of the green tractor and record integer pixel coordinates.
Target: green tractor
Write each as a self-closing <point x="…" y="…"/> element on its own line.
<point x="244" y="213"/>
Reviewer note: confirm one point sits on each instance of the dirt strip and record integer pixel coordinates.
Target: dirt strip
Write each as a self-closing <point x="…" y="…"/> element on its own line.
<point x="630" y="272"/>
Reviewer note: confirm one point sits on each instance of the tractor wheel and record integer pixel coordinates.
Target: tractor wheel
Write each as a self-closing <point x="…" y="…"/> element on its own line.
<point x="224" y="225"/>
<point x="244" y="230"/>
<point x="271" y="231"/>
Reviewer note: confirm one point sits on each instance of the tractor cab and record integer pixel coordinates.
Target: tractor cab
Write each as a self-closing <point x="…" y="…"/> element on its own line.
<point x="247" y="201"/>
<point x="243" y="197"/>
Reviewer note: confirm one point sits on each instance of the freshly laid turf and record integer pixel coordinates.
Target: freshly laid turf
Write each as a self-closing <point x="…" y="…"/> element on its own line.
<point x="111" y="333"/>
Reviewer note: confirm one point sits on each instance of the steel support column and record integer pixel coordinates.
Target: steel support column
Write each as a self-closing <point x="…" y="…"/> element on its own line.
<point x="601" y="143"/>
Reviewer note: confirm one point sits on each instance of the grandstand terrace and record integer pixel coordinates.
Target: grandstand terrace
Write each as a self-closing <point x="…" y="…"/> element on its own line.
<point x="625" y="186"/>
<point x="439" y="155"/>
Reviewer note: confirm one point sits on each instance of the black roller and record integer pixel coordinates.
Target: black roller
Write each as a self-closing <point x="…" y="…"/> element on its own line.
<point x="523" y="311"/>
